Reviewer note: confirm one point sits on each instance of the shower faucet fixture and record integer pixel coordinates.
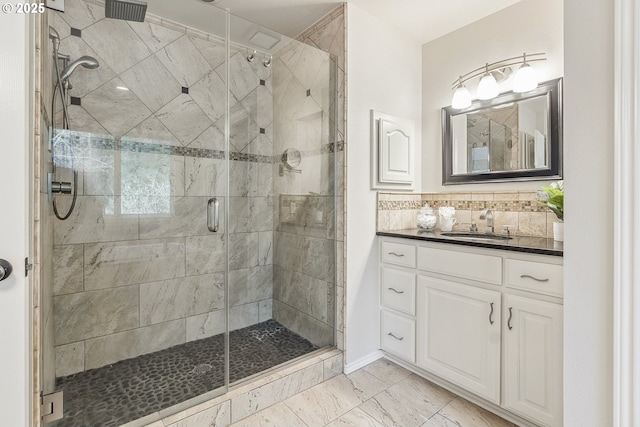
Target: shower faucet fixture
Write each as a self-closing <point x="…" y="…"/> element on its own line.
<point x="61" y="88"/>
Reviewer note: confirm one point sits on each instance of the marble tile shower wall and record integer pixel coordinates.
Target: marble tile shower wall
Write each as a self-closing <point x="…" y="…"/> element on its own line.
<point x="517" y="209"/>
<point x="329" y="35"/>
<point x="136" y="269"/>
<point x="304" y="256"/>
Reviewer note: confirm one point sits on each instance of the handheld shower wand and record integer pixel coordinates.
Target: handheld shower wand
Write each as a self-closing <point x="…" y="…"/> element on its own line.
<point x="86" y="61"/>
<point x="62" y="85"/>
<point x="55" y="38"/>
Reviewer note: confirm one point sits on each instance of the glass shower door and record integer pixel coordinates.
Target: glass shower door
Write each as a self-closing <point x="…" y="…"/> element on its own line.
<point x="138" y="288"/>
<point x="281" y="200"/>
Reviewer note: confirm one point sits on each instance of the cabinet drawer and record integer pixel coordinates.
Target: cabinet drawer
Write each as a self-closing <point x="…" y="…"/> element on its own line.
<point x="484" y="268"/>
<point x="535" y="277"/>
<point x="398" y="290"/>
<point x="399" y="254"/>
<point x="397" y="335"/>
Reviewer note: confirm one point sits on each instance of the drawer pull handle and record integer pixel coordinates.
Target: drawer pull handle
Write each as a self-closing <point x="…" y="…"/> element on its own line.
<point x="491" y="314"/>
<point x="395" y="254"/>
<point x="396" y="291"/>
<point x="398" y="338"/>
<point x="510" y="316"/>
<point x="523" y="276"/>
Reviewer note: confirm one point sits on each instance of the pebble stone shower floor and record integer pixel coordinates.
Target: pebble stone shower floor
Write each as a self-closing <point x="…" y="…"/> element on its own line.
<point x="116" y="394"/>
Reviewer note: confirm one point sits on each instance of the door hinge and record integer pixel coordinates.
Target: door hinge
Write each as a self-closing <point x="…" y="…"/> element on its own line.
<point x="51" y="406"/>
<point x="27" y="267"/>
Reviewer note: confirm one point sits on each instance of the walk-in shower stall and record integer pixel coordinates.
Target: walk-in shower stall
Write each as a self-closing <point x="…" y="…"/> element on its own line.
<point x="191" y="162"/>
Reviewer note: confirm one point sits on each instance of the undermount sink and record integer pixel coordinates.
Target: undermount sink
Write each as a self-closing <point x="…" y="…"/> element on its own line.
<point x="484" y="236"/>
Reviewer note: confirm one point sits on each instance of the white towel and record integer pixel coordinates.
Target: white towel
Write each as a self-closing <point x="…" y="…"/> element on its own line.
<point x="540" y="159"/>
<point x="480" y="159"/>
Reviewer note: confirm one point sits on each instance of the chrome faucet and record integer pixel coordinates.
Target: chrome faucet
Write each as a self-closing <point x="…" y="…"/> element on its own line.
<point x="488" y="215"/>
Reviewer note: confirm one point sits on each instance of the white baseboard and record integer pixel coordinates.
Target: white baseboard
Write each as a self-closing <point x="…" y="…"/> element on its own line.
<point x="363" y="361"/>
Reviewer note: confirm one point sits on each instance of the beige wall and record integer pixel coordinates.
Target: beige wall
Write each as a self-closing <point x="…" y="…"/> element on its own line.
<point x="384" y="74"/>
<point x="528" y="26"/>
<point x="588" y="260"/>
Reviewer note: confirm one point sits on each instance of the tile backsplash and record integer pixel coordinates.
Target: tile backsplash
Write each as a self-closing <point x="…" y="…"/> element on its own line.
<point x="517" y="209"/>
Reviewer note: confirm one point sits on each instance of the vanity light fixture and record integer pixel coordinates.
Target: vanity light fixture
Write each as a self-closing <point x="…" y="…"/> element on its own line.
<point x="524" y="80"/>
<point x="461" y="96"/>
<point x="488" y="86"/>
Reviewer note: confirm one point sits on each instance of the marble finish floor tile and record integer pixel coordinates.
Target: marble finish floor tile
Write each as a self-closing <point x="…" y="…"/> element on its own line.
<point x="116" y="394"/>
<point x="439" y="421"/>
<point x="355" y="418"/>
<point x="278" y="415"/>
<point x="465" y="414"/>
<point x="387" y="371"/>
<point x="406" y="400"/>
<point x="409" y="403"/>
<point x="327" y="401"/>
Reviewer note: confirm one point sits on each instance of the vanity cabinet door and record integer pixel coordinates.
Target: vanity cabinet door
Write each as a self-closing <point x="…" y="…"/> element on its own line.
<point x="533" y="359"/>
<point x="458" y="335"/>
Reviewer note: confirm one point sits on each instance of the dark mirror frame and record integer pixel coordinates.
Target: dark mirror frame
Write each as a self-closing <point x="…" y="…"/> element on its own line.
<point x="554" y="90"/>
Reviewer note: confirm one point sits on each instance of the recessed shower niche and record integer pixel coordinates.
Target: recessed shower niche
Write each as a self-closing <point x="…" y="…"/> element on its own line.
<point x="148" y="307"/>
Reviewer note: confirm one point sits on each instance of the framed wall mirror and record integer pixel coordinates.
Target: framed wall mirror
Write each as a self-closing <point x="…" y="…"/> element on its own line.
<point x="513" y="137"/>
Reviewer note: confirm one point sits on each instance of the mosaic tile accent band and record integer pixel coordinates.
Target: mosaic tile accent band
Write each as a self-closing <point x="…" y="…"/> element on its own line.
<point x="133" y="388"/>
<point x="72" y="139"/>
<point x="395" y="205"/>
<point x="477" y="205"/>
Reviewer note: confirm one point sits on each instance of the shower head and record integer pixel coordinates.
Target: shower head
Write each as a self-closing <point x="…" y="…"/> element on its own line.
<point x="85" y="61"/>
<point x="129" y="10"/>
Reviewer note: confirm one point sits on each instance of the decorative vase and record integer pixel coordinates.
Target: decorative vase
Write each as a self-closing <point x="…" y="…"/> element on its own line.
<point x="558" y="231"/>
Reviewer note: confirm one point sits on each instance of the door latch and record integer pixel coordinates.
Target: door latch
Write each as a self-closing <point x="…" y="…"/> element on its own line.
<point x="27" y="267"/>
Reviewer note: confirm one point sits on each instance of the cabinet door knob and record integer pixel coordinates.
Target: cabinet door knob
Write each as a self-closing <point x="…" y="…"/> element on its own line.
<point x="510" y="316"/>
<point x="396" y="291"/>
<point x="5" y="269"/>
<point x="392" y="335"/>
<point x="491" y="314"/>
<point x="523" y="276"/>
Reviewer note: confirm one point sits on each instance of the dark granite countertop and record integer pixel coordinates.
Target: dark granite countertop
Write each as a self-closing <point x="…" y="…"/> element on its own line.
<point x="532" y="245"/>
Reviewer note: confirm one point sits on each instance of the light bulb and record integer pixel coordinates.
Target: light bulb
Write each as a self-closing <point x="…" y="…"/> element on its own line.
<point x="525" y="79"/>
<point x="461" y="98"/>
<point x="488" y="87"/>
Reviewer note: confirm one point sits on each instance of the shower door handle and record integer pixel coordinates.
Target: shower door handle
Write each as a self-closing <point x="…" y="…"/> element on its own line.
<point x="213" y="204"/>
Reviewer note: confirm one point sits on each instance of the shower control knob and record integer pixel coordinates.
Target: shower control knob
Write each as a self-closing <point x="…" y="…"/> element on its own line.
<point x="5" y="269"/>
